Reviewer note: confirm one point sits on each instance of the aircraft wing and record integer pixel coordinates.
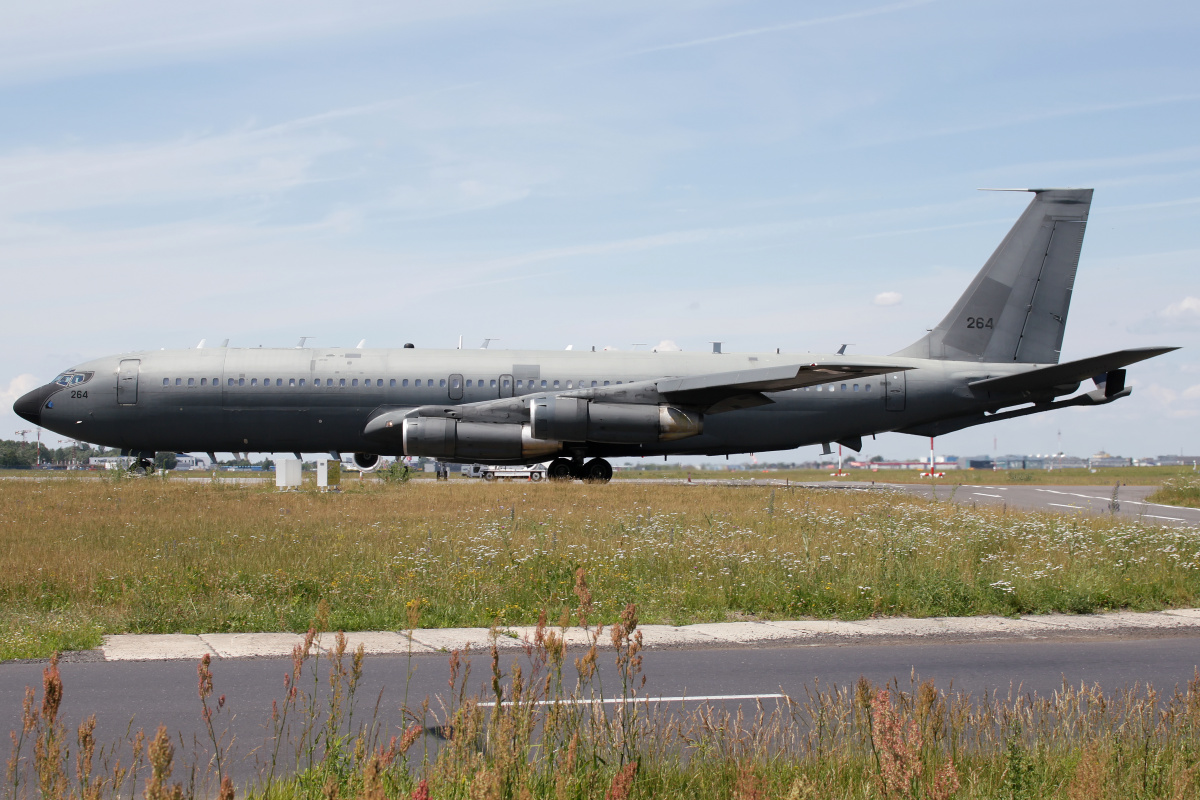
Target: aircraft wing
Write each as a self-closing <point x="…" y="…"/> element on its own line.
<point x="711" y="393"/>
<point x="1069" y="373"/>
<point x="728" y="391"/>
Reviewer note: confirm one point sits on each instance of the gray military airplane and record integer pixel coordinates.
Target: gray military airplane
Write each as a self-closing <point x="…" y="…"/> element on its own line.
<point x="994" y="357"/>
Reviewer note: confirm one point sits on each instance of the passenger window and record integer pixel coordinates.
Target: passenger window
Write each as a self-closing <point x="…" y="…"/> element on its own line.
<point x="216" y="381"/>
<point x="302" y="381"/>
<point x="254" y="381"/>
<point x="843" y="387"/>
<point x="442" y="383"/>
<point x="241" y="381"/>
<point x="543" y="384"/>
<point x="392" y="384"/>
<point x="520" y="383"/>
<point x="352" y="383"/>
<point x="606" y="383"/>
<point x="204" y="381"/>
<point x="456" y="382"/>
<point x="868" y="387"/>
<point x="493" y="383"/>
<point x="593" y="384"/>
<point x="469" y="384"/>
<point x="231" y="381"/>
<point x="570" y="385"/>
<point x="856" y="387"/>
<point x="191" y="381"/>
<point x="404" y="382"/>
<point x="379" y="383"/>
<point x="556" y="384"/>
<point x="291" y="381"/>
<point x="341" y="381"/>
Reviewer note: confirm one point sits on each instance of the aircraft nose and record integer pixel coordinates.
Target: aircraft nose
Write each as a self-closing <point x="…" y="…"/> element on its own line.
<point x="29" y="406"/>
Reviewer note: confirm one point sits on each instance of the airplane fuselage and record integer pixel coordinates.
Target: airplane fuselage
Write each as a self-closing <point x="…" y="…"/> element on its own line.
<point x="320" y="399"/>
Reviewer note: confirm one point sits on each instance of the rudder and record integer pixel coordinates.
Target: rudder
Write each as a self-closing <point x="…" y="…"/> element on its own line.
<point x="1016" y="307"/>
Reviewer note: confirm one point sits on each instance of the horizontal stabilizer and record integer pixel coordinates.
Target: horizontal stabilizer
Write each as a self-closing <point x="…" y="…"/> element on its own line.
<point x="1068" y="373"/>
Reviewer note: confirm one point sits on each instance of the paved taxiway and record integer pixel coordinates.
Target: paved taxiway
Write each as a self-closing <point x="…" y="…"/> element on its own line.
<point x="153" y="692"/>
<point x="1130" y="501"/>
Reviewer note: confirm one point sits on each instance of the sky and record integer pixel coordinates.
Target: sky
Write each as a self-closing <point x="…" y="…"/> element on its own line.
<point x="766" y="174"/>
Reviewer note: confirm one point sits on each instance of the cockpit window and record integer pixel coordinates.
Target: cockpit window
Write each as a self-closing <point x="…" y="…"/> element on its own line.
<point x="73" y="378"/>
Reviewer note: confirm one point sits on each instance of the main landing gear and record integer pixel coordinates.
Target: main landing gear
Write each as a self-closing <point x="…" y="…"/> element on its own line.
<point x="595" y="471"/>
<point x="142" y="466"/>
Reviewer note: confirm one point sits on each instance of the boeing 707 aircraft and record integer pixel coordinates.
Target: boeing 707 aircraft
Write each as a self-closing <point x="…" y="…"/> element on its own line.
<point x="995" y="356"/>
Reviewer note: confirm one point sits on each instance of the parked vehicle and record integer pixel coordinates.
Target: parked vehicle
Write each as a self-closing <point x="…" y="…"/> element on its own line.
<point x="491" y="472"/>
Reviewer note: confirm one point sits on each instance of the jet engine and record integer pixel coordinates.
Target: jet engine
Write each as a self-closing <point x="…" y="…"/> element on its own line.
<point x="571" y="419"/>
<point x="452" y="440"/>
<point x="366" y="462"/>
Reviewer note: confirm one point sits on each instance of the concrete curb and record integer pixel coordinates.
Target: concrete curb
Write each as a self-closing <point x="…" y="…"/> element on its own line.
<point x="175" y="646"/>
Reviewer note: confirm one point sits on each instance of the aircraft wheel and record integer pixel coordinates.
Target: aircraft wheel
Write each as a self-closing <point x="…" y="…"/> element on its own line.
<point x="535" y="476"/>
<point x="597" y="471"/>
<point x="560" y="470"/>
<point x="489" y="476"/>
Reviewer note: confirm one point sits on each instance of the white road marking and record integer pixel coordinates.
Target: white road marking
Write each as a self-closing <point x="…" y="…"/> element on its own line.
<point x="1173" y="519"/>
<point x="702" y="698"/>
<point x="1065" y="505"/>
<point x="984" y="494"/>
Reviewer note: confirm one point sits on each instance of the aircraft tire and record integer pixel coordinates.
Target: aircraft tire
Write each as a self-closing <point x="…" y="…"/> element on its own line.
<point x="560" y="470"/>
<point x="535" y="476"/>
<point x="489" y="476"/>
<point x="597" y="471"/>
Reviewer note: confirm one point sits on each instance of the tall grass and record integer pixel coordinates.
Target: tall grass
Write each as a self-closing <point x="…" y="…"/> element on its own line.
<point x="1182" y="490"/>
<point x="87" y="557"/>
<point x="544" y="729"/>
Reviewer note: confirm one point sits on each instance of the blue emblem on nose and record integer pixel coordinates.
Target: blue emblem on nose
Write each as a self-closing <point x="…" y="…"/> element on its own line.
<point x="50" y="404"/>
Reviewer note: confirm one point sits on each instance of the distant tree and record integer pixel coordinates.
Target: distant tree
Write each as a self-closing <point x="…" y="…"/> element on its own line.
<point x="876" y="459"/>
<point x="165" y="460"/>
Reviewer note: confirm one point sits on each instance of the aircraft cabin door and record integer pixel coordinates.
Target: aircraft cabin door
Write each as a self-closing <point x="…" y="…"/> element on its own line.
<point x="455" y="387"/>
<point x="894" y="391"/>
<point x="506" y="385"/>
<point x="127" y="380"/>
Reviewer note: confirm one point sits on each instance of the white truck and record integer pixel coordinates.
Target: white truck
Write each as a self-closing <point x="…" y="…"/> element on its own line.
<point x="491" y="472"/>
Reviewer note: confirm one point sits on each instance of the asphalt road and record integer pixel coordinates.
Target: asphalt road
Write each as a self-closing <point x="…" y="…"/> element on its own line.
<point x="1067" y="500"/>
<point x="149" y="693"/>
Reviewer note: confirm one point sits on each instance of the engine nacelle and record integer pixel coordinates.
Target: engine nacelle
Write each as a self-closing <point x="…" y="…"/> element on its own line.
<point x="366" y="462"/>
<point x="452" y="440"/>
<point x="573" y="419"/>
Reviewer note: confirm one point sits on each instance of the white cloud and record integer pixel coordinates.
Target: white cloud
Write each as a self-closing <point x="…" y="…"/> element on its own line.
<point x="17" y="387"/>
<point x="666" y="345"/>
<point x="888" y="299"/>
<point x="1187" y="308"/>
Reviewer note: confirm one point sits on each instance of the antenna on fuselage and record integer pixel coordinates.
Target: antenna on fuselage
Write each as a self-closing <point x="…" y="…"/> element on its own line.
<point x="300" y="344"/>
<point x="842" y="350"/>
<point x="460" y="341"/>
<point x="361" y="344"/>
<point x="201" y="345"/>
<point x="225" y="343"/>
<point x="486" y="342"/>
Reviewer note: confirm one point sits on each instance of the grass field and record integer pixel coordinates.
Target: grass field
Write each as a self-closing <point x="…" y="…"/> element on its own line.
<point x="92" y="556"/>
<point x="1182" y="490"/>
<point x="1132" y="476"/>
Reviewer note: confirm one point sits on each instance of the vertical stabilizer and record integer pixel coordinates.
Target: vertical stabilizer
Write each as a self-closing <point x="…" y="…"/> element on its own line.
<point x="1016" y="308"/>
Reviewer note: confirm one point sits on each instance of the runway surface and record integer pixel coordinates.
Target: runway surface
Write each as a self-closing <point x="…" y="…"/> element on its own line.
<point x="149" y="693"/>
<point x="1130" y="500"/>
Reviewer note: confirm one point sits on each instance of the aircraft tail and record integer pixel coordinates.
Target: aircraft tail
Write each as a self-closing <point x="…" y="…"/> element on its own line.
<point x="1016" y="308"/>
